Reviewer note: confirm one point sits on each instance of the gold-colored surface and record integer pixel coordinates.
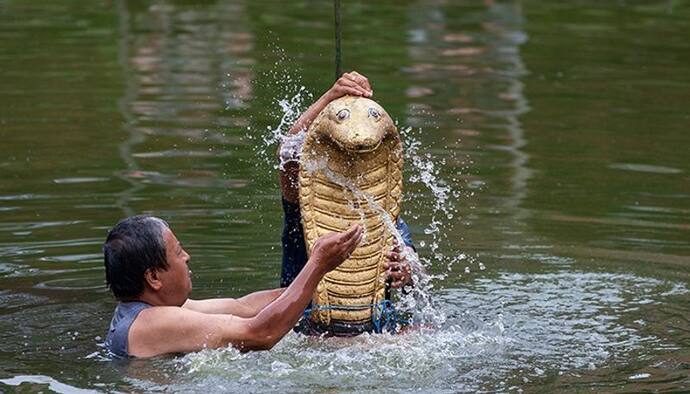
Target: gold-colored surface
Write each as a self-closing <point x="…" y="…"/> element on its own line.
<point x="351" y="172"/>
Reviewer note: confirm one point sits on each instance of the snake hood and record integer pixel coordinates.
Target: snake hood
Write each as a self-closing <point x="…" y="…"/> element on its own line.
<point x="355" y="124"/>
<point x="351" y="172"/>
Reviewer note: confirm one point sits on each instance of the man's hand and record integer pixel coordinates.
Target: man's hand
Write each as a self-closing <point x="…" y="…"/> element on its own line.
<point x="352" y="83"/>
<point x="398" y="269"/>
<point x="332" y="249"/>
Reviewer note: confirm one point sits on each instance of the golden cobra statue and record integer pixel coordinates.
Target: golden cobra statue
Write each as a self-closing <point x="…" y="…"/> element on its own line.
<point x="351" y="172"/>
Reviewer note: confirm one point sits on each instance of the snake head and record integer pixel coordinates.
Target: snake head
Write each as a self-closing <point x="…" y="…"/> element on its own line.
<point x="355" y="124"/>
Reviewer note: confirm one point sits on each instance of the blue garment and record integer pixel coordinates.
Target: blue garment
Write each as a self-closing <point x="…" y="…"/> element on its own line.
<point x="123" y="317"/>
<point x="294" y="246"/>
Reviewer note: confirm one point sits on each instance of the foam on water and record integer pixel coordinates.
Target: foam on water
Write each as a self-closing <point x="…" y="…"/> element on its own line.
<point x="510" y="330"/>
<point x="51" y="383"/>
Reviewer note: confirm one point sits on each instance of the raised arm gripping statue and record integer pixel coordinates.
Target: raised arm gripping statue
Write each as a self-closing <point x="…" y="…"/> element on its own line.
<point x="351" y="172"/>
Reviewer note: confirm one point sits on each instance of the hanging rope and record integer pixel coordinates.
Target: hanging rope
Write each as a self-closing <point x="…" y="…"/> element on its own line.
<point x="336" y="8"/>
<point x="385" y="316"/>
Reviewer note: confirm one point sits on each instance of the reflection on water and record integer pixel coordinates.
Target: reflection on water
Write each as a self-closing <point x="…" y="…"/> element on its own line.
<point x="645" y="168"/>
<point x="176" y="88"/>
<point x="483" y="68"/>
<point x="564" y="123"/>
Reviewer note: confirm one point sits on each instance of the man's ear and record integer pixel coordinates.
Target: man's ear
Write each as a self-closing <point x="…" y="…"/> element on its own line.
<point x="152" y="279"/>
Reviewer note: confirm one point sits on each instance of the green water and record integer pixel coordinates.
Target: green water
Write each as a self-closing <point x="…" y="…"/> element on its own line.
<point x="560" y="126"/>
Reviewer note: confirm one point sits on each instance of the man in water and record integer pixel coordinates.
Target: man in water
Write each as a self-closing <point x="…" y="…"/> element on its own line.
<point x="398" y="268"/>
<point x="147" y="270"/>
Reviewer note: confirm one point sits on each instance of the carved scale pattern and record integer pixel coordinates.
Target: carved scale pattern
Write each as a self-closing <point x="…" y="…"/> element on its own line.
<point x="327" y="206"/>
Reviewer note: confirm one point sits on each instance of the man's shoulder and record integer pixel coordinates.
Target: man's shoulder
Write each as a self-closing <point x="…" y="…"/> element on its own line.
<point x="173" y="329"/>
<point x="162" y="317"/>
<point x="153" y="325"/>
<point x="156" y="312"/>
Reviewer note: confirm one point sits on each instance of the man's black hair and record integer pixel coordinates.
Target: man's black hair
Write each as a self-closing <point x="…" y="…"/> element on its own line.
<point x="133" y="246"/>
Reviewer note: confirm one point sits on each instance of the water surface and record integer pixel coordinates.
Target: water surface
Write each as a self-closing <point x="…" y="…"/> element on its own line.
<point x="560" y="250"/>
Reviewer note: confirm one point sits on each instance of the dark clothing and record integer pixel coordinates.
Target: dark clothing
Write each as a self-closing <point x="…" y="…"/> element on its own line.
<point x="123" y="317"/>
<point x="294" y="246"/>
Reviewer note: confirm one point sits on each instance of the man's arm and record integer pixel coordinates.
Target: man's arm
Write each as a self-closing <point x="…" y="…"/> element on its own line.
<point x="351" y="83"/>
<point x="247" y="306"/>
<point x="161" y="330"/>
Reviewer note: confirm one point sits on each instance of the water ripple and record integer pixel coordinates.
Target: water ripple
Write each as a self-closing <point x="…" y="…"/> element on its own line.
<point x="645" y="168"/>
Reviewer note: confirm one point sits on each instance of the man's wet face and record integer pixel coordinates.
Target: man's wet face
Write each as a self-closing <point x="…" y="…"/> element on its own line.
<point x="177" y="278"/>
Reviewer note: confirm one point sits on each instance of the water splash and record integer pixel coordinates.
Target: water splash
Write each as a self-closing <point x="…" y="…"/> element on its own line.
<point x="290" y="101"/>
<point x="424" y="169"/>
<point x="415" y="300"/>
<point x="508" y="331"/>
<point x="290" y="109"/>
<point x="439" y="252"/>
<point x="445" y="195"/>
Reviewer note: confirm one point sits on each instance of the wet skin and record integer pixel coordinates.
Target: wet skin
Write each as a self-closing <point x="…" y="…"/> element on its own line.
<point x="257" y="321"/>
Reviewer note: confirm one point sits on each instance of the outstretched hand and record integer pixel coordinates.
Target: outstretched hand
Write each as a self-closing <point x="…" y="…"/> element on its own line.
<point x="352" y="83"/>
<point x="332" y="249"/>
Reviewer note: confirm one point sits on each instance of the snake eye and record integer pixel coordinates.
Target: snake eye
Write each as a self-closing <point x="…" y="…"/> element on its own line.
<point x="343" y="114"/>
<point x="374" y="113"/>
